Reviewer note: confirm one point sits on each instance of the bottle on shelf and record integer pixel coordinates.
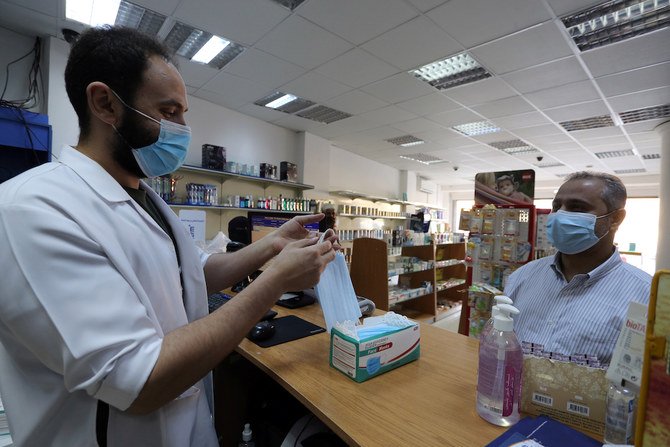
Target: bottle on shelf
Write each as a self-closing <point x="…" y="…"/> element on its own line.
<point x="620" y="414"/>
<point x="247" y="440"/>
<point x="488" y="326"/>
<point x="499" y="376"/>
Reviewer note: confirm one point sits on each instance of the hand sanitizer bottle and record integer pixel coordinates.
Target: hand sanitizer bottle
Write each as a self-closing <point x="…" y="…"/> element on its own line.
<point x="499" y="376"/>
<point x="620" y="417"/>
<point x="499" y="299"/>
<point x="246" y="437"/>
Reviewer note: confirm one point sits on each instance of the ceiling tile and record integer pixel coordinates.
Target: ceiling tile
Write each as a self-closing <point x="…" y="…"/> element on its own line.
<point x="643" y="137"/>
<point x="576" y="92"/>
<point x="356" y="68"/>
<point x="565" y="7"/>
<point x="426" y="105"/>
<point x="605" y="141"/>
<point x="303" y="43"/>
<point x="244" y="22"/>
<point x="600" y="132"/>
<point x="640" y="100"/>
<point x="314" y="87"/>
<point x="454" y="117"/>
<point x="232" y="91"/>
<point x="480" y="92"/>
<point x="637" y="52"/>
<point x="417" y="125"/>
<point x="413" y="44"/>
<point x="635" y="80"/>
<point x="448" y="137"/>
<point x="388" y="115"/>
<point x="643" y="126"/>
<point x="48" y="8"/>
<point x="521" y="120"/>
<point x="355" y="20"/>
<point x="263" y="68"/>
<point x="536" y="131"/>
<point x="551" y="74"/>
<point x="18" y="19"/>
<point x="345" y="126"/>
<point x="578" y="111"/>
<point x="426" y="5"/>
<point x="494" y="137"/>
<point x="262" y="113"/>
<point x="194" y="74"/>
<point x="527" y="48"/>
<point x="400" y="87"/>
<point x="355" y="102"/>
<point x="494" y="19"/>
<point x="503" y="107"/>
<point x="297" y="123"/>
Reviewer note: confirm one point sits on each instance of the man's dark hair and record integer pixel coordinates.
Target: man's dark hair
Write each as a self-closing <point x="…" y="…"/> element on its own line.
<point x="614" y="192"/>
<point x="116" y="56"/>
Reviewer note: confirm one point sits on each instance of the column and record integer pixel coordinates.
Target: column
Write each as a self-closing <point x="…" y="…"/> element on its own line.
<point x="663" y="247"/>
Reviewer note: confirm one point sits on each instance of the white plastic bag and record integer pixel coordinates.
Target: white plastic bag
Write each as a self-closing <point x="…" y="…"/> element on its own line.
<point x="216" y="245"/>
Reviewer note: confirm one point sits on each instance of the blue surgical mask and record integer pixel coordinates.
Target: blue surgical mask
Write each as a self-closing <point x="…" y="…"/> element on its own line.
<point x="572" y="232"/>
<point x="168" y="152"/>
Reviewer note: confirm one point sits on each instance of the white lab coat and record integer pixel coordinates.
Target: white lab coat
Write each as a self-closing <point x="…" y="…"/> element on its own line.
<point x="90" y="285"/>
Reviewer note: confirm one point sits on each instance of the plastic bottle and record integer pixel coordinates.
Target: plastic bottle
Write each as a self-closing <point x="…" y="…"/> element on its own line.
<point x="488" y="326"/>
<point x="499" y="376"/>
<point x="620" y="414"/>
<point x="246" y="437"/>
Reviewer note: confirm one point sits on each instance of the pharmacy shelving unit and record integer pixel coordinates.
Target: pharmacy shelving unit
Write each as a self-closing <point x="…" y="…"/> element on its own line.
<point x="370" y="276"/>
<point x="229" y="183"/>
<point x="450" y="266"/>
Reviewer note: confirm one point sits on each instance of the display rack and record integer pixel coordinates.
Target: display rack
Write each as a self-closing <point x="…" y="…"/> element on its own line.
<point x="370" y="276"/>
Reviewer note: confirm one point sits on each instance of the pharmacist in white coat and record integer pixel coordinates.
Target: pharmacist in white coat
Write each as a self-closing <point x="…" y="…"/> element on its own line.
<point x="105" y="337"/>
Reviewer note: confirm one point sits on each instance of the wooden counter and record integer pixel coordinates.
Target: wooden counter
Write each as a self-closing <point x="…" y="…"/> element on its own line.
<point x="429" y="402"/>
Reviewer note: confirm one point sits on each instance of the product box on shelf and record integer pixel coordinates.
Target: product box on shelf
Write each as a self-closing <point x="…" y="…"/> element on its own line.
<point x="572" y="393"/>
<point x="370" y="357"/>
<point x="268" y="170"/>
<point x="213" y="157"/>
<point x="288" y="171"/>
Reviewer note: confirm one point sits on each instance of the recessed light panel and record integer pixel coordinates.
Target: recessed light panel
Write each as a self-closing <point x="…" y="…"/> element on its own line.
<point x="616" y="20"/>
<point x="513" y="147"/>
<point x="593" y="122"/>
<point x="323" y="114"/>
<point x="630" y="171"/>
<point x="549" y="164"/>
<point x="648" y="113"/>
<point x="406" y="141"/>
<point x="456" y="70"/>
<point x="284" y="102"/>
<point x="476" y="128"/>
<point x="425" y="159"/>
<point x="615" y="154"/>
<point x="651" y="156"/>
<point x="187" y="41"/>
<point x="139" y="18"/>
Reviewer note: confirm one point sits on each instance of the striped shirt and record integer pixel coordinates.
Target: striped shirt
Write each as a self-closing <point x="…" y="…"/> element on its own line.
<point x="583" y="316"/>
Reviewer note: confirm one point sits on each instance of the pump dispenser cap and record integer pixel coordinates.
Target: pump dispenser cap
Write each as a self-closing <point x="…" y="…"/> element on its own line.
<point x="503" y="320"/>
<point x="500" y="299"/>
<point x="246" y="433"/>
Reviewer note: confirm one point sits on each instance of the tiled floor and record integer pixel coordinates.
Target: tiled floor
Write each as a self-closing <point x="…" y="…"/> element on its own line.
<point x="450" y="323"/>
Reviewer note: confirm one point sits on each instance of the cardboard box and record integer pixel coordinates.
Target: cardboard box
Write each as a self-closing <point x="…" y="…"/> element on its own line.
<point x="213" y="157"/>
<point x="570" y="393"/>
<point x="367" y="358"/>
<point x="288" y="171"/>
<point x="268" y="170"/>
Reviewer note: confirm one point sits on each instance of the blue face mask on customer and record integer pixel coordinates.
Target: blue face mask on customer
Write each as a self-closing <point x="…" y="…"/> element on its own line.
<point x="571" y="232"/>
<point x="168" y="152"/>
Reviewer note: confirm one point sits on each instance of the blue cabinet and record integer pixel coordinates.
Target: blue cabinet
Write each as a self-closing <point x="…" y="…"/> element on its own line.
<point x="25" y="141"/>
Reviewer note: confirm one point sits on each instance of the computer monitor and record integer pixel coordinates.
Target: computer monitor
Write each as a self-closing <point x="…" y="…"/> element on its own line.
<point x="262" y="223"/>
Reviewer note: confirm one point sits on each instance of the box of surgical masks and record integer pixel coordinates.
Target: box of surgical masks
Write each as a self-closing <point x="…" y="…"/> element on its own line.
<point x="380" y="344"/>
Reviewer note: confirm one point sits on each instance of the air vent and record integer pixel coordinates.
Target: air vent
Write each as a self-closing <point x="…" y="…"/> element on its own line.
<point x="406" y="141"/>
<point x="323" y="114"/>
<point x="476" y="128"/>
<point x="648" y="113"/>
<point x="549" y="164"/>
<point x="651" y="156"/>
<point x="616" y="20"/>
<point x="423" y="159"/>
<point x="456" y="70"/>
<point x="139" y="18"/>
<point x="513" y="147"/>
<point x="615" y="154"/>
<point x="588" y="123"/>
<point x="290" y="4"/>
<point x="630" y="171"/>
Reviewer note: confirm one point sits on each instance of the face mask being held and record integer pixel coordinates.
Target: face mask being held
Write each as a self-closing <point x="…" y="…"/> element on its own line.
<point x="167" y="153"/>
<point x="572" y="232"/>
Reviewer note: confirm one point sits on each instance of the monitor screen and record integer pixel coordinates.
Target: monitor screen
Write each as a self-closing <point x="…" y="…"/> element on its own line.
<point x="262" y="223"/>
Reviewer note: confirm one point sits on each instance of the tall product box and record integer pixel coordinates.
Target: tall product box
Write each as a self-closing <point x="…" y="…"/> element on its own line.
<point x="288" y="172"/>
<point x="213" y="157"/>
<point x="370" y="357"/>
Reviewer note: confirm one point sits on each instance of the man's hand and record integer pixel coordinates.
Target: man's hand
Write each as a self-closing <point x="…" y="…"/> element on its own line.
<point x="300" y="264"/>
<point x="294" y="230"/>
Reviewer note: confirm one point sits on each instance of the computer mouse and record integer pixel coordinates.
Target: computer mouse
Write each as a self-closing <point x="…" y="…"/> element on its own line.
<point x="261" y="331"/>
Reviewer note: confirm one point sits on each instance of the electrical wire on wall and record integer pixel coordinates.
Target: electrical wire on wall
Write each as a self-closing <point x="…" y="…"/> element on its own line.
<point x="32" y="100"/>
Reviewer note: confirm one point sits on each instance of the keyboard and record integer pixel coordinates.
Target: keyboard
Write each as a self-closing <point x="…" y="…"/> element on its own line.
<point x="216" y="300"/>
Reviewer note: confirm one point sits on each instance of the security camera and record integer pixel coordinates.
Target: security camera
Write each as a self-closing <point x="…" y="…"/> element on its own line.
<point x="70" y="35"/>
<point x="540" y="158"/>
<point x="455" y="168"/>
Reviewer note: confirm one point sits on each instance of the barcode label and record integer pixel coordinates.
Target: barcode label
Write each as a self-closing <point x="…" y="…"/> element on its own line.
<point x="578" y="409"/>
<point x="543" y="399"/>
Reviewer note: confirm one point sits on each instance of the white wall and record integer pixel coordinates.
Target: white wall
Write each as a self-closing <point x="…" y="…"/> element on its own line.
<point x="314" y="166"/>
<point x="14" y="46"/>
<point x="353" y="172"/>
<point x="63" y="120"/>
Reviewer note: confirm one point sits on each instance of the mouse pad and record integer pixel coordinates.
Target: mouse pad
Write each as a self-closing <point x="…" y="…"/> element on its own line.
<point x="290" y="328"/>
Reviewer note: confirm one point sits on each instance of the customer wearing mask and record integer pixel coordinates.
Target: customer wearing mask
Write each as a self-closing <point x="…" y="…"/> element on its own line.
<point x="575" y="302"/>
<point x="328" y="222"/>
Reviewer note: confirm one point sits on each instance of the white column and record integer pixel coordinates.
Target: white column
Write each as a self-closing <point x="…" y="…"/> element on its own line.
<point x="663" y="247"/>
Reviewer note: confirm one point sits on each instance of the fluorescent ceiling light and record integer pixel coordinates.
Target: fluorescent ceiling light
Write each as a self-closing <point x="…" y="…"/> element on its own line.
<point x="425" y="159"/>
<point x="323" y="114"/>
<point x="92" y="12"/>
<point x="137" y="17"/>
<point x="208" y="51"/>
<point x="476" y="128"/>
<point x="593" y="122"/>
<point x="615" y="154"/>
<point x="406" y="141"/>
<point x="630" y="171"/>
<point x="651" y="156"/>
<point x="648" y="113"/>
<point x="617" y="20"/>
<point x="456" y="70"/>
<point x="277" y="103"/>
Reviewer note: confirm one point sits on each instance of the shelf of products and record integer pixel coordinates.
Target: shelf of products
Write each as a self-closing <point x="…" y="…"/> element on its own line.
<point x="232" y="208"/>
<point x="407" y="284"/>
<point x="223" y="175"/>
